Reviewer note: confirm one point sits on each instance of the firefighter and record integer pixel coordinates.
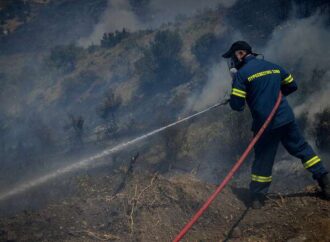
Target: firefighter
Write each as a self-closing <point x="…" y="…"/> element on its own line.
<point x="258" y="82"/>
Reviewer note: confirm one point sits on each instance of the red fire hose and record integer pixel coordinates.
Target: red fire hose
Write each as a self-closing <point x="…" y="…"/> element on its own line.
<point x="231" y="172"/>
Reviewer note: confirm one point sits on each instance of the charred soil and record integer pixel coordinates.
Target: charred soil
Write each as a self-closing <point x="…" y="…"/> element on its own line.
<point x="151" y="207"/>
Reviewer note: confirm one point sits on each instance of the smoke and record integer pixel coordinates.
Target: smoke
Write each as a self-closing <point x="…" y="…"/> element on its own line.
<point x="117" y="16"/>
<point x="83" y="163"/>
<point x="216" y="87"/>
<point x="120" y="14"/>
<point x="301" y="46"/>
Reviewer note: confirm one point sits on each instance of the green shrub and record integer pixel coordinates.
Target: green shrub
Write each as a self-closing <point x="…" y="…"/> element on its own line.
<point x="207" y="49"/>
<point x="109" y="105"/>
<point x="110" y="40"/>
<point x="166" y="46"/>
<point x="107" y="112"/>
<point x="161" y="67"/>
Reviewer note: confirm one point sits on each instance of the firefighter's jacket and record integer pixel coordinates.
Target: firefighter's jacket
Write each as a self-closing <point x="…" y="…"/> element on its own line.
<point x="258" y="83"/>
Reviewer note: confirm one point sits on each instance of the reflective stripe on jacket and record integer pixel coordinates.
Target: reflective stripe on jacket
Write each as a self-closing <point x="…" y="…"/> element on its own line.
<point x="258" y="83"/>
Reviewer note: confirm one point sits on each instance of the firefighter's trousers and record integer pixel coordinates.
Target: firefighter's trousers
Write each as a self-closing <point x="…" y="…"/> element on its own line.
<point x="265" y="150"/>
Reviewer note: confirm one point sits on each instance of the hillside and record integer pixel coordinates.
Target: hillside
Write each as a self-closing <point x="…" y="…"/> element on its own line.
<point x="65" y="99"/>
<point x="150" y="207"/>
<point x="31" y="26"/>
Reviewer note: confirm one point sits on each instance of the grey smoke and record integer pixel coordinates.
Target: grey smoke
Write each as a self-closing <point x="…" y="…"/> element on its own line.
<point x="218" y="83"/>
<point x="119" y="14"/>
<point x="301" y="46"/>
<point x="215" y="89"/>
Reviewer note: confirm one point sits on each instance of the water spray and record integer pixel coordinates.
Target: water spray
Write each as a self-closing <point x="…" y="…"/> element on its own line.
<point x="85" y="163"/>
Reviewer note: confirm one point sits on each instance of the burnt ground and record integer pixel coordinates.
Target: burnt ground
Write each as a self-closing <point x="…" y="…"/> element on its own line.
<point x="150" y="207"/>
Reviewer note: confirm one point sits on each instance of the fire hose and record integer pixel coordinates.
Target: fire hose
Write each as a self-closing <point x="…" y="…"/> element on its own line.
<point x="231" y="173"/>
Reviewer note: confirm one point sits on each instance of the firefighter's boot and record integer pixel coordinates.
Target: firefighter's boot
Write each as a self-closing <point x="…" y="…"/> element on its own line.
<point x="257" y="201"/>
<point x="324" y="183"/>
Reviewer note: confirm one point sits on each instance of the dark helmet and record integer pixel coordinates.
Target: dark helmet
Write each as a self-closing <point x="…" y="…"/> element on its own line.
<point x="238" y="45"/>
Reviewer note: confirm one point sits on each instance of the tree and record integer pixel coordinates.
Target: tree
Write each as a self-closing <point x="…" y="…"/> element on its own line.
<point x="110" y="40"/>
<point x="161" y="67"/>
<point x="166" y="46"/>
<point x="107" y="111"/>
<point x="206" y="49"/>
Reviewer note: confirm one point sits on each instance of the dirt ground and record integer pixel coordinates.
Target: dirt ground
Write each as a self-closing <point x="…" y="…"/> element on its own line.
<point x="150" y="207"/>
